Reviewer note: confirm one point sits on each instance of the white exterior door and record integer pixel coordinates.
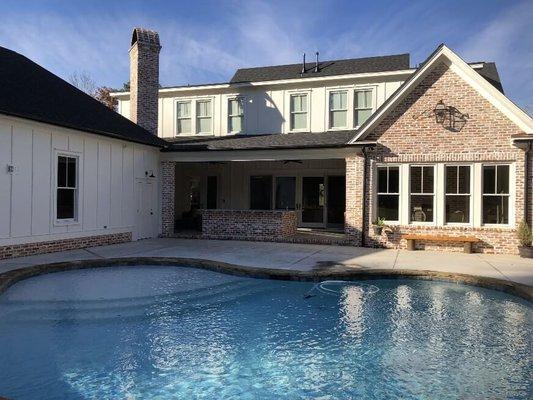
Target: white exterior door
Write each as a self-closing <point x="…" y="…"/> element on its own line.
<point x="146" y="211"/>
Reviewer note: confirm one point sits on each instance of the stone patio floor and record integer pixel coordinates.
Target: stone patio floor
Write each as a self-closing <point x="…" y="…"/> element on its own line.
<point x="304" y="257"/>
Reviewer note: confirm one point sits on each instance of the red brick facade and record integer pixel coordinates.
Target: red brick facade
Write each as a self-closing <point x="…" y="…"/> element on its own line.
<point x="248" y="224"/>
<point x="28" y="249"/>
<point x="410" y="134"/>
<point x="168" y="185"/>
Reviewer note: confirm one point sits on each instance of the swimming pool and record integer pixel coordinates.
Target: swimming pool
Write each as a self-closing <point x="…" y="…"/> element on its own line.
<point x="174" y="332"/>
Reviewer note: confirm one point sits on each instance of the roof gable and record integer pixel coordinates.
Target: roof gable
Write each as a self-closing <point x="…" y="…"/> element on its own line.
<point x="29" y="91"/>
<point x="466" y="72"/>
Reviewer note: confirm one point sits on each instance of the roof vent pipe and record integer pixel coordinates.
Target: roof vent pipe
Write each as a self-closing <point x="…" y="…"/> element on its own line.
<point x="316" y="62"/>
<point x="303" y="67"/>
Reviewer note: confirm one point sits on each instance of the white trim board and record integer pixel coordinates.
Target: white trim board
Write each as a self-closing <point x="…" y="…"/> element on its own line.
<point x="465" y="71"/>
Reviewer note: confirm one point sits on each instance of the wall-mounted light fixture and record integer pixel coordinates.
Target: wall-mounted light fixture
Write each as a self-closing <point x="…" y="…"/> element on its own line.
<point x="449" y="117"/>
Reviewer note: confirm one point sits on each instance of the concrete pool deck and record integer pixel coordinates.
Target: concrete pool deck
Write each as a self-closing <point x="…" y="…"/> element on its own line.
<point x="298" y="257"/>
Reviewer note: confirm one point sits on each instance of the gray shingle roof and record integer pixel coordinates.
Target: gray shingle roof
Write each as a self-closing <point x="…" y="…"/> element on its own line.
<point x="326" y="68"/>
<point x="27" y="90"/>
<point x="490" y="73"/>
<point x="257" y="142"/>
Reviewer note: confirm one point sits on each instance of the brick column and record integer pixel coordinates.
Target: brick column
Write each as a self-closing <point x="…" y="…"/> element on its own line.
<point x="353" y="217"/>
<point x="168" y="193"/>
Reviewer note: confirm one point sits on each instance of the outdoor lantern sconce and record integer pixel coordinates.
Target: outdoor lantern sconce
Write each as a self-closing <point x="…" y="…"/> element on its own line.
<point x="449" y="117"/>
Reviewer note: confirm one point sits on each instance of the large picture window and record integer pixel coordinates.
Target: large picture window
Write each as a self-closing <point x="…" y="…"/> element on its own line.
<point x="298" y="112"/>
<point x="203" y="116"/>
<point x="457" y="194"/>
<point x="261" y="192"/>
<point x="422" y="193"/>
<point x="362" y="106"/>
<point x="495" y="194"/>
<point x="183" y="117"/>
<point x="388" y="200"/>
<point x="235" y="115"/>
<point x="67" y="187"/>
<point x="338" y="109"/>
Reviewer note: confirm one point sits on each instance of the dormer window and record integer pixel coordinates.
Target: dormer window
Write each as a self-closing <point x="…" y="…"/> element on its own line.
<point x="235" y="115"/>
<point x="184" y="117"/>
<point x="362" y="106"/>
<point x="204" y="116"/>
<point x="338" y="109"/>
<point x="299" y="108"/>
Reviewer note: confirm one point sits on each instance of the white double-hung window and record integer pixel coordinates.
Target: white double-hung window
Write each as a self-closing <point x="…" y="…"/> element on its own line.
<point x="338" y="109"/>
<point x="235" y="115"/>
<point x="457" y="194"/>
<point x="298" y="112"/>
<point x="183" y="117"/>
<point x="66" y="188"/>
<point x="388" y="195"/>
<point x="204" y="116"/>
<point x="495" y="202"/>
<point x="422" y="193"/>
<point x="362" y="106"/>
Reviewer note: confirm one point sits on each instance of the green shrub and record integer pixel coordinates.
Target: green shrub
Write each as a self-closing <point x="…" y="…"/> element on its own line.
<point x="379" y="222"/>
<point x="524" y="234"/>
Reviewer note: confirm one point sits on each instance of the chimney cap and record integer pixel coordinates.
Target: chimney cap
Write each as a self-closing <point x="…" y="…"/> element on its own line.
<point x="145" y="36"/>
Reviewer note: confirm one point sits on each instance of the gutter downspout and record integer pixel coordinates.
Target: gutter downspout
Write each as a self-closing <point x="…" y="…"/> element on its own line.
<point x="526" y="189"/>
<point x="363" y="208"/>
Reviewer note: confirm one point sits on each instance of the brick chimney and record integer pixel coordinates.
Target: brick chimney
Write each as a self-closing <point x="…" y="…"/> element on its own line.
<point x="144" y="78"/>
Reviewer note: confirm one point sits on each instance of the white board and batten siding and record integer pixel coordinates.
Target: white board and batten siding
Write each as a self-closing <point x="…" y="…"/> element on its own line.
<point x="112" y="184"/>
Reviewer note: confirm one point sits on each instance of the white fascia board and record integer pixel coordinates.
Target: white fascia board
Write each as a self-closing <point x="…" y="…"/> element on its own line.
<point x="459" y="66"/>
<point x="405" y="72"/>
<point x="260" y="155"/>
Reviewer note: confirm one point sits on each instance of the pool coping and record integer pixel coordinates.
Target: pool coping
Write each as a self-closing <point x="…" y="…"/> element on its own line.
<point x="337" y="271"/>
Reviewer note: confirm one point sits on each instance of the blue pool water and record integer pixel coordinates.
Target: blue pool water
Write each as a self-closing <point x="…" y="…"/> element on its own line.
<point x="150" y="332"/>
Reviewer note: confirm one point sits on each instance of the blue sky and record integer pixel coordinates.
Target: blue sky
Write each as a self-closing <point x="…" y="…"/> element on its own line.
<point x="205" y="41"/>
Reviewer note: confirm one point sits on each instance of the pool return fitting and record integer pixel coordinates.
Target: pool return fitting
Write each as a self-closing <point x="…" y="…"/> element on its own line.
<point x="322" y="287"/>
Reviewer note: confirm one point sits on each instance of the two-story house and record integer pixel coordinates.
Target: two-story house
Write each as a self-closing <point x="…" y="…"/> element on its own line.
<point x="436" y="150"/>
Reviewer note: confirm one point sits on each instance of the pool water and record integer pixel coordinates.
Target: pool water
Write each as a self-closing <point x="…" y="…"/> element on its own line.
<point x="150" y="332"/>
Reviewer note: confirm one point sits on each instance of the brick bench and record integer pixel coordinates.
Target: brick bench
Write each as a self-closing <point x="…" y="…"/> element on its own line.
<point x="466" y="240"/>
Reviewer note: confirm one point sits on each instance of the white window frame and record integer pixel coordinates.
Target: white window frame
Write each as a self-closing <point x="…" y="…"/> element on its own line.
<point x="229" y="116"/>
<point x="177" y="102"/>
<point x="444" y="194"/>
<point x="194" y="101"/>
<point x="373" y="96"/>
<point x="76" y="219"/>
<point x="349" y="104"/>
<point x="510" y="195"/>
<point x="434" y="194"/>
<point x="307" y="112"/>
<point x="211" y="117"/>
<point x="377" y="193"/>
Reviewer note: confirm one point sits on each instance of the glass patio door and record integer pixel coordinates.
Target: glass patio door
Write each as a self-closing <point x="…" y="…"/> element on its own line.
<point x="313" y="201"/>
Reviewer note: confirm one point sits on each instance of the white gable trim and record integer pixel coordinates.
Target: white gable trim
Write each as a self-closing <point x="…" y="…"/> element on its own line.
<point x="465" y="71"/>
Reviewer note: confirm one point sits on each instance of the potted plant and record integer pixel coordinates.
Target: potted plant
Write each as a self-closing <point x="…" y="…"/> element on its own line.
<point x="525" y="238"/>
<point x="378" y="226"/>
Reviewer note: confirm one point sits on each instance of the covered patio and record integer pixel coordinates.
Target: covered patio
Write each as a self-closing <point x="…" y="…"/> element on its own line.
<point x="258" y="188"/>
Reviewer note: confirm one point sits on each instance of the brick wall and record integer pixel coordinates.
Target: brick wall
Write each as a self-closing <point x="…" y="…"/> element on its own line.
<point x="28" y="249"/>
<point x="248" y="224"/>
<point x="353" y="218"/>
<point x="409" y="134"/>
<point x="168" y="188"/>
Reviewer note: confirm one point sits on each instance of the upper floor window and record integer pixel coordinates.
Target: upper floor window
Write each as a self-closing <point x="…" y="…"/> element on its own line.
<point x="338" y="109"/>
<point x="235" y="115"/>
<point x="67" y="187"/>
<point x="362" y="106"/>
<point x="388" y="193"/>
<point x="184" y="117"/>
<point x="203" y="116"/>
<point x="495" y="194"/>
<point x="298" y="112"/>
<point x="422" y="193"/>
<point x="457" y="198"/>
